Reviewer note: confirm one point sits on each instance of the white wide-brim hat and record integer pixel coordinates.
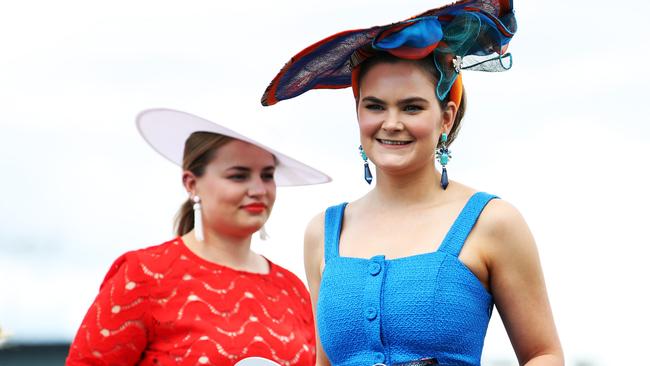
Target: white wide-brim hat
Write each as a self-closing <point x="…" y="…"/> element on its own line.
<point x="166" y="130"/>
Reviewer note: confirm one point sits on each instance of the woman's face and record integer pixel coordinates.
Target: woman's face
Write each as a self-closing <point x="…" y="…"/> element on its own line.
<point x="400" y="118"/>
<point x="237" y="189"/>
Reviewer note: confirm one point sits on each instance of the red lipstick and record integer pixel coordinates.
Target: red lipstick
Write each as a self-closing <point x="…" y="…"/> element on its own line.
<point x="255" y="208"/>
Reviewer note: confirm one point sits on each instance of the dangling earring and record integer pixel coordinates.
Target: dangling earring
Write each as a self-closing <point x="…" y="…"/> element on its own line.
<point x="263" y="234"/>
<point x="366" y="169"/>
<point x="198" y="220"/>
<point x="443" y="155"/>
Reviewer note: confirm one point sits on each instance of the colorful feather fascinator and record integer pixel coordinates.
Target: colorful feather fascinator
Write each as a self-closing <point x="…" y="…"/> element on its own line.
<point x="466" y="35"/>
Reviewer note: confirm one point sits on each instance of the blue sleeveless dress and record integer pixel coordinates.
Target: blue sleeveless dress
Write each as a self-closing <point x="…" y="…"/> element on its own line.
<point x="390" y="311"/>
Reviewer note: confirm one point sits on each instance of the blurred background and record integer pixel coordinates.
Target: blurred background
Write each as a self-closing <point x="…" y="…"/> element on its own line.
<point x="564" y="136"/>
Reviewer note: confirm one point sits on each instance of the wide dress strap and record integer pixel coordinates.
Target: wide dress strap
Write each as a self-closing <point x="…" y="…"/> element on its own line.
<point x="455" y="238"/>
<point x="333" y="223"/>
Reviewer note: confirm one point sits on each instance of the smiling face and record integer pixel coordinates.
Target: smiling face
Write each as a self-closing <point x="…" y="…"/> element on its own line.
<point x="400" y="118"/>
<point x="237" y="189"/>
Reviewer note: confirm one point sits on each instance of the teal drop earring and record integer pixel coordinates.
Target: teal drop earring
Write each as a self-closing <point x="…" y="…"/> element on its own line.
<point x="443" y="155"/>
<point x="366" y="169"/>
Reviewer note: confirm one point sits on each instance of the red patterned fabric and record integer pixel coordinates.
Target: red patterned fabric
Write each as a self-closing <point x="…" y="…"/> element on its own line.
<point x="164" y="305"/>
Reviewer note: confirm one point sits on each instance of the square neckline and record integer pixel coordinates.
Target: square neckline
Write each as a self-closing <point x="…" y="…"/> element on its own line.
<point x="445" y="243"/>
<point x="445" y="239"/>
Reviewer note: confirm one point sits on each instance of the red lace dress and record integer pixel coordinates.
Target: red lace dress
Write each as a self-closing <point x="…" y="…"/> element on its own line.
<point x="164" y="305"/>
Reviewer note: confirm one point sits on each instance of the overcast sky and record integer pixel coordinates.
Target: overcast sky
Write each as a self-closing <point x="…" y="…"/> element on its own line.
<point x="564" y="136"/>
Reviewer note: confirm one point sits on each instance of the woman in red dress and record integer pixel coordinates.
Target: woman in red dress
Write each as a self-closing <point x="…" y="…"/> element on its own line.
<point x="204" y="297"/>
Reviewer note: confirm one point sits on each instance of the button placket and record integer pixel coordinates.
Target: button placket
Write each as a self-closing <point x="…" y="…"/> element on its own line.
<point x="374" y="268"/>
<point x="374" y="273"/>
<point x="371" y="313"/>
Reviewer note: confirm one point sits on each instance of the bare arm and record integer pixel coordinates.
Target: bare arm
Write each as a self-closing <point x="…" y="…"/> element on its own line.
<point x="518" y="287"/>
<point x="313" y="258"/>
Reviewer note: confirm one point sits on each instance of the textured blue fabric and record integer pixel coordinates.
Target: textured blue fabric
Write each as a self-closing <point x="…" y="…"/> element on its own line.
<point x="388" y="311"/>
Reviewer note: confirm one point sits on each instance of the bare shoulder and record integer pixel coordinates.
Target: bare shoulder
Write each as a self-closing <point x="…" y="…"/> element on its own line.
<point x="314" y="233"/>
<point x="314" y="248"/>
<point x="506" y="234"/>
<point x="500" y="219"/>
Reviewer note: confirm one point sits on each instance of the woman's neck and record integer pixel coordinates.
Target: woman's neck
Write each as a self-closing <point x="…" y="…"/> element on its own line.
<point x="230" y="251"/>
<point x="419" y="187"/>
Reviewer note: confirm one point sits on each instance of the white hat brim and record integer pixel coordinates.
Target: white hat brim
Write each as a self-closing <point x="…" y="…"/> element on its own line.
<point x="166" y="130"/>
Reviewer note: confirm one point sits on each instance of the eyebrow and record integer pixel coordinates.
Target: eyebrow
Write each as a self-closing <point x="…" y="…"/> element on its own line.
<point x="373" y="100"/>
<point x="246" y="169"/>
<point x="410" y="100"/>
<point x="413" y="100"/>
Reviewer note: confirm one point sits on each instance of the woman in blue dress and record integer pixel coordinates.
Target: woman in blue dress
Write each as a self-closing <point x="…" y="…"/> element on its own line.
<point x="411" y="271"/>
